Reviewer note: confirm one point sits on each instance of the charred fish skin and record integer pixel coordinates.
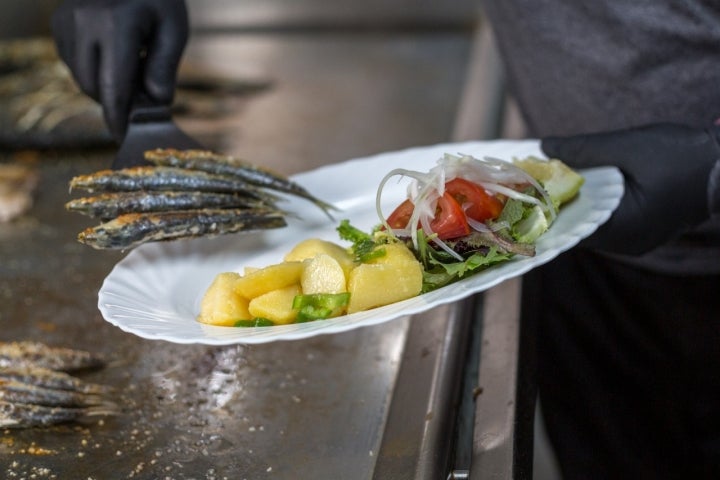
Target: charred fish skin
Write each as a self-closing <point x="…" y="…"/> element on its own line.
<point x="214" y="163"/>
<point x="43" y="377"/>
<point x="23" y="415"/>
<point x="18" y="392"/>
<point x="111" y="205"/>
<point x="36" y="354"/>
<point x="151" y="178"/>
<point x="35" y="391"/>
<point x="132" y="229"/>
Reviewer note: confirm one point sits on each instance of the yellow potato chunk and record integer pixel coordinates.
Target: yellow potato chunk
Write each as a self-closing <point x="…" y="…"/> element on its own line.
<point x="276" y="305"/>
<point x="314" y="246"/>
<point x="395" y="253"/>
<point x="323" y="274"/>
<point x="388" y="279"/>
<point x="272" y="277"/>
<point x="221" y="304"/>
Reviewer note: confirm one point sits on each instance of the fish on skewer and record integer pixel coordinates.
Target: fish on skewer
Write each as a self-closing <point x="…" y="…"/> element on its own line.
<point x="26" y="415"/>
<point x="46" y="378"/>
<point x="36" y="354"/>
<point x="132" y="229"/>
<point x="20" y="392"/>
<point x="111" y="205"/>
<point x="182" y="194"/>
<point x="148" y="178"/>
<point x="214" y="163"/>
<point x="36" y="391"/>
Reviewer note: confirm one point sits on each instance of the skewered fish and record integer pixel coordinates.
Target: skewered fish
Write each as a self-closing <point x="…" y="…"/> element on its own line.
<point x="46" y="378"/>
<point x="36" y="354"/>
<point x="42" y="106"/>
<point x="165" y="179"/>
<point x="36" y="392"/>
<point x="20" y="392"/>
<point x="111" y="205"/>
<point x="214" y="163"/>
<point x="189" y="193"/>
<point x="25" y="415"/>
<point x="132" y="229"/>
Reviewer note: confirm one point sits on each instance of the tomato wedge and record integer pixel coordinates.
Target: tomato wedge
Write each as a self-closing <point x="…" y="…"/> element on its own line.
<point x="474" y="200"/>
<point x="400" y="217"/>
<point x="450" y="221"/>
<point x="462" y="200"/>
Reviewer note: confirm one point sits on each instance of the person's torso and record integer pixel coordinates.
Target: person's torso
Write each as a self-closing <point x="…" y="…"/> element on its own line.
<point x="584" y="66"/>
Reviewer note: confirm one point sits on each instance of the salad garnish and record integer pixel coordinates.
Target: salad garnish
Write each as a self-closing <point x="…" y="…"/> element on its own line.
<point x="467" y="213"/>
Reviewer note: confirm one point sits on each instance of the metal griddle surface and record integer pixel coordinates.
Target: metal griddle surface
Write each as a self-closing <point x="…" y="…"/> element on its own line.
<point x="314" y="408"/>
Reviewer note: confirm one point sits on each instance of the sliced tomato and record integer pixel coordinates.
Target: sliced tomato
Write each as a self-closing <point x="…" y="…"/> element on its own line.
<point x="400" y="217"/>
<point x="450" y="221"/>
<point x="474" y="200"/>
<point x="462" y="200"/>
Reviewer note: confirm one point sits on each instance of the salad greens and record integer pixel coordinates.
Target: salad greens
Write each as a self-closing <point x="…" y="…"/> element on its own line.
<point x="513" y="232"/>
<point x="365" y="246"/>
<point x="529" y="208"/>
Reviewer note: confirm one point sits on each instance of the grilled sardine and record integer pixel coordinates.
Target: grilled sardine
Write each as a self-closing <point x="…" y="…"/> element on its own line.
<point x="111" y="205"/>
<point x="214" y="163"/>
<point x="132" y="229"/>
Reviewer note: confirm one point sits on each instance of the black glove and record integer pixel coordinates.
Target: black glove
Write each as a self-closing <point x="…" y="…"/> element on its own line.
<point x="672" y="177"/>
<point x="120" y="49"/>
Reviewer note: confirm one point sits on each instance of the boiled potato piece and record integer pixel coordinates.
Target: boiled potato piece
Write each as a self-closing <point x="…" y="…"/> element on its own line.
<point x="395" y="253"/>
<point x="393" y="277"/>
<point x="276" y="305"/>
<point x="313" y="267"/>
<point x="221" y="304"/>
<point x="323" y="274"/>
<point x="272" y="277"/>
<point x="314" y="246"/>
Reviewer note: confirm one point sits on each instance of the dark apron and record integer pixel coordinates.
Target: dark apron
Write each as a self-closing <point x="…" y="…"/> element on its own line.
<point x="628" y="368"/>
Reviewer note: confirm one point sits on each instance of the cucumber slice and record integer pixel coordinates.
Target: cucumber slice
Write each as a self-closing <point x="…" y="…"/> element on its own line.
<point x="531" y="227"/>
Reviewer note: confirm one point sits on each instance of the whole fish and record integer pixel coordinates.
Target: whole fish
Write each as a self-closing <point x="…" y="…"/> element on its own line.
<point x="214" y="163"/>
<point x="43" y="377"/>
<point x="151" y="178"/>
<point x="19" y="392"/>
<point x="24" y="415"/>
<point x="37" y="354"/>
<point x="132" y="229"/>
<point x="111" y="205"/>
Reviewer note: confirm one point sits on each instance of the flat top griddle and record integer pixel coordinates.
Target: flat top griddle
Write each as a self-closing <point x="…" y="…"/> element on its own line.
<point x="379" y="402"/>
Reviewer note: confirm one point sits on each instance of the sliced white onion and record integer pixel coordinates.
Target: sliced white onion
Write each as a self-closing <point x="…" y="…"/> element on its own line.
<point x="493" y="174"/>
<point x="510" y="193"/>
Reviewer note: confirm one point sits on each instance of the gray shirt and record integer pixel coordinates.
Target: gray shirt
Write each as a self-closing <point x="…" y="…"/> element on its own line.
<point x="578" y="66"/>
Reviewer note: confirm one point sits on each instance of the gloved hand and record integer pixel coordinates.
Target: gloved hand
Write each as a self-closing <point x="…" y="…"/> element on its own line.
<point x="672" y="177"/>
<point x="119" y="49"/>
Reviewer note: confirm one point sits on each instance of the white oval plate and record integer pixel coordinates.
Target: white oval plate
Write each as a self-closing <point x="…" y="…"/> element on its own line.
<point x="155" y="291"/>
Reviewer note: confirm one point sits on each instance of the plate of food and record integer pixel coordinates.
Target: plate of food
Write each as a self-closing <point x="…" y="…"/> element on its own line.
<point x="162" y="290"/>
